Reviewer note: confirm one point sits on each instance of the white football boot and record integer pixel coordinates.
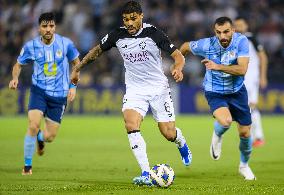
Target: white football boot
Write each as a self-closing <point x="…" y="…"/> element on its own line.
<point x="246" y="172"/>
<point x="216" y="146"/>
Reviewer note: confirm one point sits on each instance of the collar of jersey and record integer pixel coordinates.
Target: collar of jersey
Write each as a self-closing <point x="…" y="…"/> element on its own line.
<point x="41" y="42"/>
<point x="140" y="30"/>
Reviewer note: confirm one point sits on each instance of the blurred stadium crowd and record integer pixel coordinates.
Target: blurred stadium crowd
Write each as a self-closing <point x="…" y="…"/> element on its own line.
<point x="86" y="21"/>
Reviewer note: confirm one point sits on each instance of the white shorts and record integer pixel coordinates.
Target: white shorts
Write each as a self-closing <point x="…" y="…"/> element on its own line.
<point x="253" y="92"/>
<point x="161" y="104"/>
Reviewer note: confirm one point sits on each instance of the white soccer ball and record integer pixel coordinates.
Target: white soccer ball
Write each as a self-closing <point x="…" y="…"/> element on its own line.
<point x="162" y="175"/>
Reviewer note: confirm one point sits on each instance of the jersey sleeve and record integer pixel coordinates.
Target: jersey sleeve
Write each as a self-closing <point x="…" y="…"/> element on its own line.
<point x="243" y="48"/>
<point x="25" y="56"/>
<point x="72" y="52"/>
<point x="163" y="42"/>
<point x="197" y="47"/>
<point x="109" y="41"/>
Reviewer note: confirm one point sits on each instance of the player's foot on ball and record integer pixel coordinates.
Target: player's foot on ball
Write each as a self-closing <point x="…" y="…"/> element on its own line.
<point x="144" y="179"/>
<point x="27" y="170"/>
<point x="186" y="155"/>
<point x="246" y="172"/>
<point x="40" y="146"/>
<point x="216" y="146"/>
<point x="258" y="143"/>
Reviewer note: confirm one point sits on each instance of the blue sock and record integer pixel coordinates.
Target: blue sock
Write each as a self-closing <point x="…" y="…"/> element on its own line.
<point x="219" y="129"/>
<point x="40" y="136"/>
<point x="245" y="148"/>
<point x="29" y="148"/>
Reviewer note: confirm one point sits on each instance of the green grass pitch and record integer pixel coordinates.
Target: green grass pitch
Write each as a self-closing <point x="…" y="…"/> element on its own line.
<point x="91" y="155"/>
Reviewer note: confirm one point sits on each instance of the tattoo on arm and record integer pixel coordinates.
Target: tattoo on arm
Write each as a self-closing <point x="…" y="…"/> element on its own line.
<point x="91" y="56"/>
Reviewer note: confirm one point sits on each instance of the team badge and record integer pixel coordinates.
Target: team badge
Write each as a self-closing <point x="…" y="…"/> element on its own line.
<point x="142" y="45"/>
<point x="232" y="54"/>
<point x="58" y="53"/>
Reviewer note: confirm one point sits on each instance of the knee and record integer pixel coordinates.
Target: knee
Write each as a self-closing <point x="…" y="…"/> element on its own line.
<point x="131" y="125"/>
<point x="244" y="132"/>
<point x="33" y="128"/>
<point x="226" y="122"/>
<point x="50" y="137"/>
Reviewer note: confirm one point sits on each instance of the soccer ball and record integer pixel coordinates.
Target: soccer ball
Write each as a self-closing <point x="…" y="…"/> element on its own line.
<point x="162" y="175"/>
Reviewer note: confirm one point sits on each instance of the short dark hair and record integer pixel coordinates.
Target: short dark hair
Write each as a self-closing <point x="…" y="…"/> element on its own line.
<point x="47" y="16"/>
<point x="241" y="18"/>
<point x="131" y="7"/>
<point x="223" y="20"/>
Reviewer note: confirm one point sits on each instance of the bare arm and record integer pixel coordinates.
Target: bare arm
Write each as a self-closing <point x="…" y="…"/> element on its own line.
<point x="185" y="49"/>
<point x="15" y="76"/>
<point x="91" y="56"/>
<point x="263" y="68"/>
<point x="235" y="69"/>
<point x="178" y="65"/>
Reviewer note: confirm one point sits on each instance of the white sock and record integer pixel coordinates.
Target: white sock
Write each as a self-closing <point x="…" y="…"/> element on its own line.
<point x="138" y="147"/>
<point x="242" y="164"/>
<point x="180" y="140"/>
<point x="256" y="127"/>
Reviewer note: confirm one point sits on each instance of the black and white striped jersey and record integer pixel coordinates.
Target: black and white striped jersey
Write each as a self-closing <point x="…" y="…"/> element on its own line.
<point x="141" y="54"/>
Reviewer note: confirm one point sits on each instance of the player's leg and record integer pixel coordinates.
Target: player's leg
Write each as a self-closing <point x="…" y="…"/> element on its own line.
<point x="174" y="134"/>
<point x="34" y="117"/>
<point x="54" y="113"/>
<point x="134" y="109"/>
<point x="163" y="112"/>
<point x="245" y="149"/>
<point x="256" y="126"/>
<point x="219" y="108"/>
<point x="241" y="113"/>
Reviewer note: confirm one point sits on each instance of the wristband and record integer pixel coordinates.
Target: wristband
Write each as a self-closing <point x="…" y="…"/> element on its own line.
<point x="72" y="85"/>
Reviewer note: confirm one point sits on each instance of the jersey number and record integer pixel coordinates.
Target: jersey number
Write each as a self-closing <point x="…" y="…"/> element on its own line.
<point x="49" y="58"/>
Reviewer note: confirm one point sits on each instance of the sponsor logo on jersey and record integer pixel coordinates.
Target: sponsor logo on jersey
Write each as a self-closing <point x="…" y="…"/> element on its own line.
<point x="136" y="57"/>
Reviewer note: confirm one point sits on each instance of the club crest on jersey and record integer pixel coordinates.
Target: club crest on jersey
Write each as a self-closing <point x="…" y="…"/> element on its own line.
<point x="142" y="45"/>
<point x="58" y="53"/>
<point x="232" y="55"/>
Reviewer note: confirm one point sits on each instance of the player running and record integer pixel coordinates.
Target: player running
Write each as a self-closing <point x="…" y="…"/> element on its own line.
<point x="226" y="57"/>
<point x="50" y="54"/>
<point x="255" y="77"/>
<point x="146" y="84"/>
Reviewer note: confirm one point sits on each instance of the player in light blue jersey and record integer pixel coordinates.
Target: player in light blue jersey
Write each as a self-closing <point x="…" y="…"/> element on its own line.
<point x="226" y="57"/>
<point x="50" y="54"/>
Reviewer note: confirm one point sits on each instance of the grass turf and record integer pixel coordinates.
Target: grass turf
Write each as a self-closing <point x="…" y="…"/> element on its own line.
<point x="92" y="155"/>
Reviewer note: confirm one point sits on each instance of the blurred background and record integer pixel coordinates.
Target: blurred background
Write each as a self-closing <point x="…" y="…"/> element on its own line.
<point x="102" y="83"/>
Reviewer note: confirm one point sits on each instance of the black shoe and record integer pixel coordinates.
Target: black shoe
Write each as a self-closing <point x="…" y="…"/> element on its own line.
<point x="27" y="170"/>
<point x="40" y="146"/>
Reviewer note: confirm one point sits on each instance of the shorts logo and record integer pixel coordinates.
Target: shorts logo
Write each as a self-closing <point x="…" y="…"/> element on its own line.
<point x="142" y="45"/>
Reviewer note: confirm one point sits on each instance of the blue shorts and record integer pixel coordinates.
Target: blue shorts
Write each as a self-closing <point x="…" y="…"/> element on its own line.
<point x="236" y="102"/>
<point x="52" y="107"/>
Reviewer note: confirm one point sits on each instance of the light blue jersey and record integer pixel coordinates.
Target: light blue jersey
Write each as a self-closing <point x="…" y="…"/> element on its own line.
<point x="210" y="48"/>
<point x="50" y="63"/>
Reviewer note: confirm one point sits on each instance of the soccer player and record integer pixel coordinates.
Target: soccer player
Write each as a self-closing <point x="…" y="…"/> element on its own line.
<point x="50" y="54"/>
<point x="226" y="57"/>
<point x="146" y="84"/>
<point x="255" y="77"/>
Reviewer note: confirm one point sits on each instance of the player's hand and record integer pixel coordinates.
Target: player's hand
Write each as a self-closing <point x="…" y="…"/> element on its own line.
<point x="75" y="77"/>
<point x="210" y="65"/>
<point x="263" y="83"/>
<point x="13" y="84"/>
<point x="71" y="94"/>
<point x="177" y="74"/>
